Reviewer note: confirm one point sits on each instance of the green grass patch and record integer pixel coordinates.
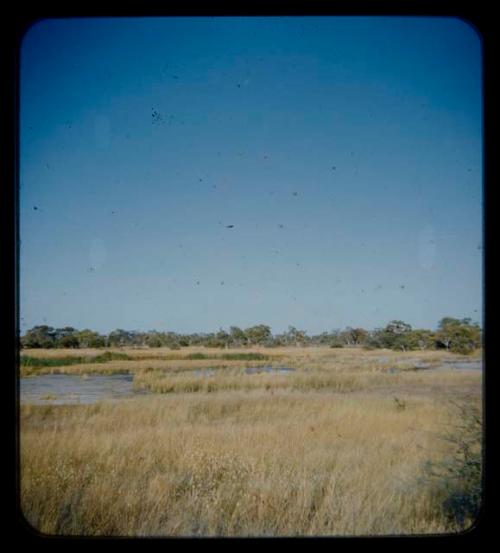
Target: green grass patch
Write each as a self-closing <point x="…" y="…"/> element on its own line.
<point x="28" y="361"/>
<point x="110" y="356"/>
<point x="244" y="357"/>
<point x="248" y="356"/>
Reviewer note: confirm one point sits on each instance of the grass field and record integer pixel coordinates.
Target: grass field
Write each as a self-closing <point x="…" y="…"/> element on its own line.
<point x="340" y="446"/>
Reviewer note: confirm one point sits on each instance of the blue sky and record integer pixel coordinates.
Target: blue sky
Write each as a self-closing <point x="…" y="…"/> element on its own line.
<point x="346" y="152"/>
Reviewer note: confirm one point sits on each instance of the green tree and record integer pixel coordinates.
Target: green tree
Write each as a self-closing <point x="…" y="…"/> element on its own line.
<point x="393" y="336"/>
<point x="237" y="336"/>
<point x="421" y="339"/>
<point x="89" y="339"/>
<point x="40" y="336"/>
<point x="458" y="335"/>
<point x="352" y="336"/>
<point x="154" y="339"/>
<point x="296" y="337"/>
<point x="66" y="337"/>
<point x="223" y="337"/>
<point x="258" y="334"/>
<point x="120" y="338"/>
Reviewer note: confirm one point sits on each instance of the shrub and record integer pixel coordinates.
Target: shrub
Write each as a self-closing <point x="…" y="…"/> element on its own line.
<point x="458" y="478"/>
<point x="337" y="344"/>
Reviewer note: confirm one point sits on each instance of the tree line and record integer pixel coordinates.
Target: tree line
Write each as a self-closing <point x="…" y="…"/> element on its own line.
<point x="456" y="335"/>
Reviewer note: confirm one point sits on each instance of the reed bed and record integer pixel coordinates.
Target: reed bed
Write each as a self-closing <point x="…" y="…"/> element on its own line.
<point x="233" y="464"/>
<point x="337" y="447"/>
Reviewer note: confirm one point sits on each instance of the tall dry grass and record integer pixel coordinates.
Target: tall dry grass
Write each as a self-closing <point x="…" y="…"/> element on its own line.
<point x="338" y="447"/>
<point x="233" y="464"/>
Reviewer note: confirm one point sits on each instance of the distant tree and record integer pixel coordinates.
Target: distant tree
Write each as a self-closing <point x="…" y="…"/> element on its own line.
<point x="66" y="337"/>
<point x="398" y="327"/>
<point x="154" y="340"/>
<point x="223" y="338"/>
<point x="352" y="336"/>
<point x="277" y="340"/>
<point x="458" y="335"/>
<point x="68" y="341"/>
<point x="335" y="341"/>
<point x="90" y="339"/>
<point x="320" y="339"/>
<point x="196" y="339"/>
<point x="258" y="334"/>
<point x="296" y="337"/>
<point x="183" y="341"/>
<point x="119" y="338"/>
<point x="393" y="336"/>
<point x="41" y="336"/>
<point x="237" y="336"/>
<point x="374" y="340"/>
<point x="421" y="339"/>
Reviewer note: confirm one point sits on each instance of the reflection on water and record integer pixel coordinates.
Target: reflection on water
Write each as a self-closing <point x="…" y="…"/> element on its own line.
<point x="63" y="388"/>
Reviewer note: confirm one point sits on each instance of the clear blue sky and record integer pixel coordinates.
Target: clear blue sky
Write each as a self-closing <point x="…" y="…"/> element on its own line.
<point x="346" y="152"/>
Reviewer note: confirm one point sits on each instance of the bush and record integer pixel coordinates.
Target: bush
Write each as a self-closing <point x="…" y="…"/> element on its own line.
<point x="337" y="344"/>
<point x="458" y="478"/>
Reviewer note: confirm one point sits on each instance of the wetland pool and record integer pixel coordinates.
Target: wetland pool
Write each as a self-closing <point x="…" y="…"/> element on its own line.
<point x="58" y="389"/>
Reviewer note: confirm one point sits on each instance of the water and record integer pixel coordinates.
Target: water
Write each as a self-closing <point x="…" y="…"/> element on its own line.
<point x="463" y="365"/>
<point x="64" y="389"/>
<point x="277" y="370"/>
<point x="204" y="372"/>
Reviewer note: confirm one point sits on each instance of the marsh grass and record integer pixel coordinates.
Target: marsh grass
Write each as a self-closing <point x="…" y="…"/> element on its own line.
<point x="232" y="464"/>
<point x="92" y="362"/>
<point x="31" y="362"/>
<point x="323" y="450"/>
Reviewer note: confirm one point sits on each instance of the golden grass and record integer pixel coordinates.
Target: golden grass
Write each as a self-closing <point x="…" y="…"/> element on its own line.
<point x="247" y="455"/>
<point x="299" y="358"/>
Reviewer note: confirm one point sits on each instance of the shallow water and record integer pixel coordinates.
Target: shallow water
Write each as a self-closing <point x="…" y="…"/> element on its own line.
<point x="72" y="389"/>
<point x="278" y="370"/>
<point x="475" y="365"/>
